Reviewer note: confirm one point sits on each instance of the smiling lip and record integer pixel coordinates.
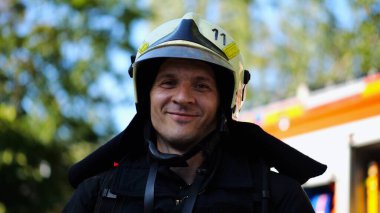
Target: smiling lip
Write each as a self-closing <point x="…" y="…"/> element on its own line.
<point x="182" y="116"/>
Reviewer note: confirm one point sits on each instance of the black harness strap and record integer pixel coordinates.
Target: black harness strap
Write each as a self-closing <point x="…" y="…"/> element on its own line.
<point x="149" y="188"/>
<point x="106" y="201"/>
<point x="200" y="183"/>
<point x="265" y="192"/>
<point x="261" y="196"/>
<point x="194" y="190"/>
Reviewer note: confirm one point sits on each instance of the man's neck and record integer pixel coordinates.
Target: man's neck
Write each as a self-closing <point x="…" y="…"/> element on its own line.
<point x="186" y="173"/>
<point x="172" y="148"/>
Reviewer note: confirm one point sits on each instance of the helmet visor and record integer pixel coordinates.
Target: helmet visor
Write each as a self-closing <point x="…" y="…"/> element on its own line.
<point x="186" y="52"/>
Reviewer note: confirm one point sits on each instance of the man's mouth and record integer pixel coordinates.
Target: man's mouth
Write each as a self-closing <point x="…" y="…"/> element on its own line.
<point x="182" y="117"/>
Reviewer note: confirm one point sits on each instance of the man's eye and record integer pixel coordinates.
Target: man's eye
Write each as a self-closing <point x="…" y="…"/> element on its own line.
<point x="202" y="86"/>
<point x="168" y="83"/>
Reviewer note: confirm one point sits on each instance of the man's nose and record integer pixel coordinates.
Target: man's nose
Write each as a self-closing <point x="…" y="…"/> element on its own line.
<point x="184" y="94"/>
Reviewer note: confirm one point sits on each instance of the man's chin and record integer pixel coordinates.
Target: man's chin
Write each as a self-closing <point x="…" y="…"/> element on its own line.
<point x="181" y="143"/>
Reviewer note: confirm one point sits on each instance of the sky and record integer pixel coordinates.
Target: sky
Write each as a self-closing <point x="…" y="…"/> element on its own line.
<point x="123" y="112"/>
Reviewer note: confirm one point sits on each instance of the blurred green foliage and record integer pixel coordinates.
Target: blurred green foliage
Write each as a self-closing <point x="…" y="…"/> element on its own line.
<point x="51" y="110"/>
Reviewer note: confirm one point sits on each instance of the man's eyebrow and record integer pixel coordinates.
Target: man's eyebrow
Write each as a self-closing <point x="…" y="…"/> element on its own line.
<point x="165" y="75"/>
<point x="204" y="78"/>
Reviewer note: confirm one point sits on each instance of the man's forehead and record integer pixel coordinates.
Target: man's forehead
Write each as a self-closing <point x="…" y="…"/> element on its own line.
<point x="176" y="65"/>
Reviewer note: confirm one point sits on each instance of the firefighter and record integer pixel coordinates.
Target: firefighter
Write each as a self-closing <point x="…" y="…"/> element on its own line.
<point x="185" y="151"/>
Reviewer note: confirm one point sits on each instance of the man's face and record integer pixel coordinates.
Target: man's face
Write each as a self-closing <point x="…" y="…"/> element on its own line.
<point x="184" y="101"/>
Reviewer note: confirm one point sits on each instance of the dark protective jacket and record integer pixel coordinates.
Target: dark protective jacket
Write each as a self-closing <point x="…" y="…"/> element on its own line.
<point x="235" y="186"/>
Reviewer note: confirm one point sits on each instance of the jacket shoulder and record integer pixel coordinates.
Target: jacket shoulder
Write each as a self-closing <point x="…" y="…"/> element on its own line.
<point x="287" y="194"/>
<point x="253" y="140"/>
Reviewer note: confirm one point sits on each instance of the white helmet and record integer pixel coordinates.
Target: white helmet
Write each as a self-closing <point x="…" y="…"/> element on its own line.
<point x="192" y="38"/>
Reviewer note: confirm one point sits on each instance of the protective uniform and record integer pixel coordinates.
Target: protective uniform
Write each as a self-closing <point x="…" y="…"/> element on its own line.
<point x="234" y="176"/>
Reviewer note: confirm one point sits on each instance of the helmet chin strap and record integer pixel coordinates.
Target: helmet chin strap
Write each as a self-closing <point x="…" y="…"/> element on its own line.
<point x="206" y="145"/>
<point x="173" y="160"/>
<point x="222" y="122"/>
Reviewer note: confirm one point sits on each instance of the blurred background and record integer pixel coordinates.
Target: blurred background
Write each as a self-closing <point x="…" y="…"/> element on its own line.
<point x="65" y="88"/>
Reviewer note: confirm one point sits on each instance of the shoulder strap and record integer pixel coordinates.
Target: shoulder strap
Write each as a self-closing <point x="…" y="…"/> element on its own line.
<point x="106" y="201"/>
<point x="260" y="173"/>
<point x="265" y="192"/>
